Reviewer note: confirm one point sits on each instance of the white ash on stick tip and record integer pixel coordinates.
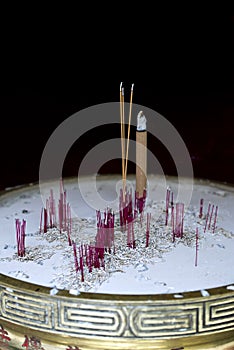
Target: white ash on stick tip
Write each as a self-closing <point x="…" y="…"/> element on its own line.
<point x="141" y="121"/>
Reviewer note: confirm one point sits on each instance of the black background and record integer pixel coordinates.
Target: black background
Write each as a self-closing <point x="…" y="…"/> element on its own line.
<point x="181" y="68"/>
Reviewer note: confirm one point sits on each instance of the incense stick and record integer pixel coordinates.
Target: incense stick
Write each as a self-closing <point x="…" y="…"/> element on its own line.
<point x="122" y="125"/>
<point x="141" y="154"/>
<point x="125" y="150"/>
<point x="129" y="124"/>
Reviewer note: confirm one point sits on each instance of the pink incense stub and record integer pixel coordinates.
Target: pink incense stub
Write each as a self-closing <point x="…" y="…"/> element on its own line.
<point x="20" y="237"/>
<point x="197" y="246"/>
<point x="179" y="220"/>
<point x="201" y="208"/>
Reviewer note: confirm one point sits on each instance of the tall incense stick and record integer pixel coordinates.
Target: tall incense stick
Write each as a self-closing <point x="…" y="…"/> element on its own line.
<point x="141" y="156"/>
<point x="122" y="128"/>
<point x="125" y="150"/>
<point x="129" y="124"/>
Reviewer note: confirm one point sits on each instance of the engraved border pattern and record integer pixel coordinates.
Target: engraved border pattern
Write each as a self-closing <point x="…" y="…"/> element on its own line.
<point x="89" y="318"/>
<point x="163" y="321"/>
<point x="219" y="314"/>
<point x="117" y="318"/>
<point x="27" y="309"/>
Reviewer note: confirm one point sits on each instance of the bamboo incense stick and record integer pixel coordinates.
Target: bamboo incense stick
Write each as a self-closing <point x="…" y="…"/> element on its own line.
<point x="129" y="125"/>
<point x="122" y="129"/>
<point x="124" y="147"/>
<point x="123" y="143"/>
<point x="141" y="155"/>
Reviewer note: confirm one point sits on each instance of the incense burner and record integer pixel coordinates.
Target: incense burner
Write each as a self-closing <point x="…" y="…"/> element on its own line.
<point x="32" y="318"/>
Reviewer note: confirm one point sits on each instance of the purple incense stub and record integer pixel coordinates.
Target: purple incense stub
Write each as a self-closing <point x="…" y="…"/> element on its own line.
<point x="20" y="236"/>
<point x="179" y="220"/>
<point x="201" y="208"/>
<point x="75" y="256"/>
<point x="147" y="229"/>
<point x="48" y="214"/>
<point x="140" y="201"/>
<point x="211" y="214"/>
<point x="207" y="217"/>
<point x="197" y="246"/>
<point x="131" y="243"/>
<point x="168" y="193"/>
<point x="45" y="220"/>
<point x="125" y="207"/>
<point x="105" y="231"/>
<point x="215" y="218"/>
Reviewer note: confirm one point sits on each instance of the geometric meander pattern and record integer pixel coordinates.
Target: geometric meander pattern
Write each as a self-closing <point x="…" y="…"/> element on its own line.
<point x="83" y="317"/>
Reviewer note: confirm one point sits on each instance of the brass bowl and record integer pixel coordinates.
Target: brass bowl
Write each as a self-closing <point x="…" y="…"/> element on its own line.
<point x="32" y="318"/>
<point x="104" y="321"/>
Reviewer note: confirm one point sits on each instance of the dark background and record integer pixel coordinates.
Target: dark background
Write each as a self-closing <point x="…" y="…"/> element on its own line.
<point x="181" y="68"/>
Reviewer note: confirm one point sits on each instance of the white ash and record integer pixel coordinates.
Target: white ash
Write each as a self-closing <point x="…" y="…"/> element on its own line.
<point x="65" y="276"/>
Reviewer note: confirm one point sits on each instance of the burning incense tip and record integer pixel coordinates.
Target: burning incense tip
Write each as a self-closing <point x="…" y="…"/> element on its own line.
<point x="121" y="84"/>
<point x="141" y="122"/>
<point x="132" y="87"/>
